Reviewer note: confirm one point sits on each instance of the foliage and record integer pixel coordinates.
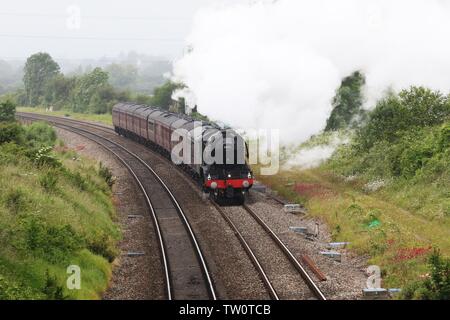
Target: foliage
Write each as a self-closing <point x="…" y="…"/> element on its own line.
<point x="122" y="76"/>
<point x="11" y="132"/>
<point x="39" y="70"/>
<point x="7" y="111"/>
<point x="387" y="189"/>
<point x="102" y="101"/>
<point x="10" y="151"/>
<point x="11" y="290"/>
<point x="199" y="116"/>
<point x="415" y="108"/>
<point x="52" y="243"/>
<point x="100" y="118"/>
<point x="48" y="181"/>
<point x="58" y="91"/>
<point x="15" y="200"/>
<point x="347" y="103"/>
<point x="162" y="96"/>
<point x="405" y="136"/>
<point x="41" y="233"/>
<point x="52" y="290"/>
<point x="436" y="286"/>
<point x="95" y="91"/>
<point x="87" y="87"/>
<point x="103" y="245"/>
<point x="77" y="180"/>
<point x="44" y="157"/>
<point x="39" y="134"/>
<point x="106" y="174"/>
<point x="143" y="99"/>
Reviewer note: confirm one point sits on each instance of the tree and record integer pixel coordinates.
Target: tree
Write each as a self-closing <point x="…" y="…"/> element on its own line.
<point x="7" y="111"/>
<point x="39" y="69"/>
<point x="347" y="103"/>
<point x="10" y="131"/>
<point x="87" y="87"/>
<point x="410" y="110"/>
<point x="58" y="90"/>
<point x="102" y="101"/>
<point x="122" y="76"/>
<point x="162" y="96"/>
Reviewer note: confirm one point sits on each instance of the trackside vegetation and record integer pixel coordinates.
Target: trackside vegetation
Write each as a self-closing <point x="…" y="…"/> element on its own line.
<point x="55" y="211"/>
<point x="387" y="190"/>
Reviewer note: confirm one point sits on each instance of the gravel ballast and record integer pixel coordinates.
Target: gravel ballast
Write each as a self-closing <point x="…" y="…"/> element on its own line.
<point x="232" y="271"/>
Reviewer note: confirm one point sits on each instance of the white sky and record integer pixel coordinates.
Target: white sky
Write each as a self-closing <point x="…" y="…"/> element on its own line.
<point x="106" y="28"/>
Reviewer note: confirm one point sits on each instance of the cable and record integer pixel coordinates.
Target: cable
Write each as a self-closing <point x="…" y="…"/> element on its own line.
<point x="51" y="15"/>
<point x="15" y="36"/>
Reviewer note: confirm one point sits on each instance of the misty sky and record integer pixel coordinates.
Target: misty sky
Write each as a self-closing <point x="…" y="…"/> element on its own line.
<point x="106" y="27"/>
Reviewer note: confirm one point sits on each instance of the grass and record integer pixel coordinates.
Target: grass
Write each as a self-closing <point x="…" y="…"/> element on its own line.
<point x="99" y="118"/>
<point x="412" y="218"/>
<point x="51" y="218"/>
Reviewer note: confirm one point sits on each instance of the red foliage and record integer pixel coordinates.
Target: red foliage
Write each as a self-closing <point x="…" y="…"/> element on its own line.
<point x="312" y="190"/>
<point x="390" y="242"/>
<point x="80" y="147"/>
<point x="411" y="253"/>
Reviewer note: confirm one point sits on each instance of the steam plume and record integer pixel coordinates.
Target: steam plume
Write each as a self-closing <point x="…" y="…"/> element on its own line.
<point x="278" y="64"/>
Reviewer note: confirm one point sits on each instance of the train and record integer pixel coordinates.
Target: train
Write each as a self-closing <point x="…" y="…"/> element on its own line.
<point x="215" y="157"/>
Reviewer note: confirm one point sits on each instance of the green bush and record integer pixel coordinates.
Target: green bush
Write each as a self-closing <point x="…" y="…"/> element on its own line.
<point x="7" y="111"/>
<point x="11" y="132"/>
<point x="14" y="291"/>
<point x="444" y="137"/>
<point x="44" y="157"/>
<point x="49" y="181"/>
<point x="10" y="152"/>
<point x="52" y="243"/>
<point x="51" y="289"/>
<point x="78" y="180"/>
<point x="436" y="286"/>
<point x="107" y="175"/>
<point x="417" y="149"/>
<point x="39" y="134"/>
<point x="16" y="201"/>
<point x="406" y="135"/>
<point x="51" y="231"/>
<point x="103" y="245"/>
<point x="417" y="107"/>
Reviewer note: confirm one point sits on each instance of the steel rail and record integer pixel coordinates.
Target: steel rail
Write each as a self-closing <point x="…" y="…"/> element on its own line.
<point x="272" y="292"/>
<point x="169" y="192"/>
<point x="309" y="281"/>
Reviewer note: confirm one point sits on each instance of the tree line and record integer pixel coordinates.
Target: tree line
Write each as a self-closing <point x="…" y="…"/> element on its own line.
<point x="90" y="92"/>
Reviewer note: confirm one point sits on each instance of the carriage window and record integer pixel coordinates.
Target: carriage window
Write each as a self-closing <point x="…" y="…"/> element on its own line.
<point x="151" y="126"/>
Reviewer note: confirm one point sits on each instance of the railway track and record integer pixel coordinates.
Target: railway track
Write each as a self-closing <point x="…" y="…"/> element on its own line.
<point x="304" y="286"/>
<point x="187" y="276"/>
<point x="290" y="256"/>
<point x="266" y="250"/>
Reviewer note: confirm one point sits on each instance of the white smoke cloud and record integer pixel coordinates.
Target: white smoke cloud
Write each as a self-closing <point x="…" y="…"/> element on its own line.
<point x="278" y="64"/>
<point x="311" y="157"/>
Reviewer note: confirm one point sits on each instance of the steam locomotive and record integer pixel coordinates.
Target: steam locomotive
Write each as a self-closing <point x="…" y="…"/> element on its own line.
<point x="214" y="156"/>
